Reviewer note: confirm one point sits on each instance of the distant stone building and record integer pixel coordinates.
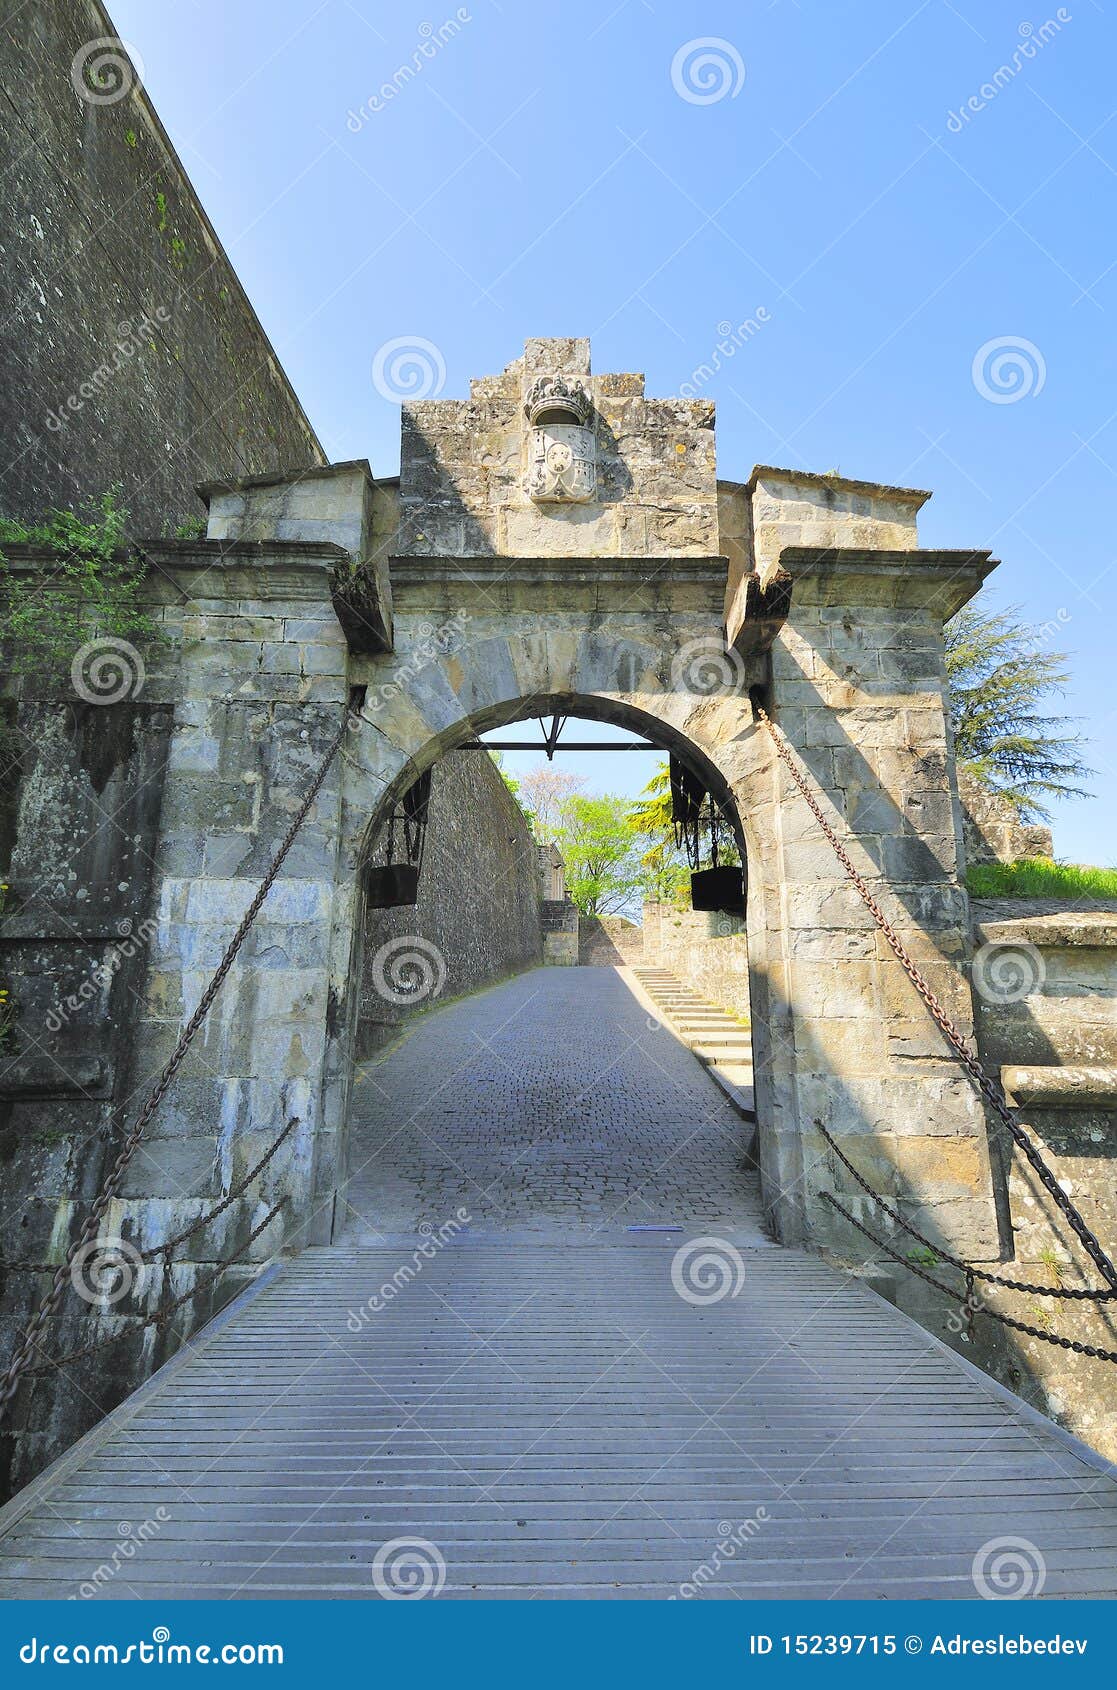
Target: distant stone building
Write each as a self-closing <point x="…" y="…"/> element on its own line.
<point x="560" y="915"/>
<point x="993" y="831"/>
<point x="552" y="873"/>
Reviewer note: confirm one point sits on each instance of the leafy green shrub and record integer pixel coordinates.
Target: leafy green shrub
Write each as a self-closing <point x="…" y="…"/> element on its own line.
<point x="92" y="586"/>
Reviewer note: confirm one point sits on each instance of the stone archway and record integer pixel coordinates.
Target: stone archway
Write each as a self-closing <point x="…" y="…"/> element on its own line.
<point x="458" y="602"/>
<point x="816" y="981"/>
<point x="657" y="710"/>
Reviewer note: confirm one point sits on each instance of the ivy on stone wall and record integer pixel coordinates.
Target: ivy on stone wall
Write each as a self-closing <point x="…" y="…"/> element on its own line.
<point x="91" y="586"/>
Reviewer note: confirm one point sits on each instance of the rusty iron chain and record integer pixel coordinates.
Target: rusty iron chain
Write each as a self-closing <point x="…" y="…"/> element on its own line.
<point x="971" y="1305"/>
<point x="163" y="1313"/>
<point x="165" y="1250"/>
<point x="20" y="1360"/>
<point x="992" y="1093"/>
<point x="1084" y="1294"/>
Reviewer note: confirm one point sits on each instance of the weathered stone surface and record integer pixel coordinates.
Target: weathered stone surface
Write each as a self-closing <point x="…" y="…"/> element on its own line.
<point x="477" y="918"/>
<point x="611" y="609"/>
<point x="463" y="470"/>
<point x="134" y="358"/>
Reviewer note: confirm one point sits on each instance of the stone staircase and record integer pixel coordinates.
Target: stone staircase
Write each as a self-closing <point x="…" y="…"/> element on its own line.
<point x="718" y="1039"/>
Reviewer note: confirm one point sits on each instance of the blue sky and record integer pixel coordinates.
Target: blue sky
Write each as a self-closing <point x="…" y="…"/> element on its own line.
<point x="545" y="174"/>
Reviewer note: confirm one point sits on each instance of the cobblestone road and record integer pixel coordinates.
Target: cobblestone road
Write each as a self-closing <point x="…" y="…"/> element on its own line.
<point x="550" y="1103"/>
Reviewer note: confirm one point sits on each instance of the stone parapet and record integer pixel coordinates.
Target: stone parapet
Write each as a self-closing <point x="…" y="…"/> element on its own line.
<point x="780" y="508"/>
<point x="464" y="469"/>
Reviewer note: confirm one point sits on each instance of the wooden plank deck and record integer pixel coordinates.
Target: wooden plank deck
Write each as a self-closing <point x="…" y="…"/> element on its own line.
<point x="557" y="1421"/>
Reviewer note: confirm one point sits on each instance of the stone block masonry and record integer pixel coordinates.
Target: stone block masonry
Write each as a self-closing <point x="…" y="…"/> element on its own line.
<point x="705" y="950"/>
<point x="608" y="941"/>
<point x="132" y="354"/>
<point x="478" y="915"/>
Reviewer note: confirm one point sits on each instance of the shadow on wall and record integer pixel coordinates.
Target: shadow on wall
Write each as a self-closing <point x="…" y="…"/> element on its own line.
<point x="477" y="918"/>
<point x="609" y="941"/>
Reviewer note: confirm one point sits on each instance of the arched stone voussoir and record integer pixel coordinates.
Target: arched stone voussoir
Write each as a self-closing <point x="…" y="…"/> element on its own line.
<point x="607" y="664"/>
<point x="482" y="675"/>
<point x="391" y="713"/>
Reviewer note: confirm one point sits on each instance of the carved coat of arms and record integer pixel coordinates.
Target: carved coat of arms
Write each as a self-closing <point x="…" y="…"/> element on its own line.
<point x="562" y="453"/>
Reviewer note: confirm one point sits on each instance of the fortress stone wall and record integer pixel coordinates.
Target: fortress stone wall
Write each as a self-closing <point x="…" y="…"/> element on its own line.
<point x="131" y="353"/>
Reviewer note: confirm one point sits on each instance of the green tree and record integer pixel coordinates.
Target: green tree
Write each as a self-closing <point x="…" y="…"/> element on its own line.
<point x="664" y="870"/>
<point x="601" y="854"/>
<point x="1006" y="736"/>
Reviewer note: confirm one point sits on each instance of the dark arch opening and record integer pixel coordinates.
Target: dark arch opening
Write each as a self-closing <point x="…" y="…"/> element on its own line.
<point x="588" y="706"/>
<point x="661" y="736"/>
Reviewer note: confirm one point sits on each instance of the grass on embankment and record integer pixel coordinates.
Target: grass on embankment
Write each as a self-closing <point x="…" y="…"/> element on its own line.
<point x="1038" y="877"/>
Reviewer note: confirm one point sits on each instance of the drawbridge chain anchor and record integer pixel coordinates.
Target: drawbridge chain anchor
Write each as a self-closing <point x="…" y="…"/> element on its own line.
<point x="992" y="1093"/>
<point x="25" y="1349"/>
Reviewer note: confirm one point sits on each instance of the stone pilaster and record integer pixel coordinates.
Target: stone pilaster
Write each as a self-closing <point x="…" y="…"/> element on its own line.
<point x="859" y="690"/>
